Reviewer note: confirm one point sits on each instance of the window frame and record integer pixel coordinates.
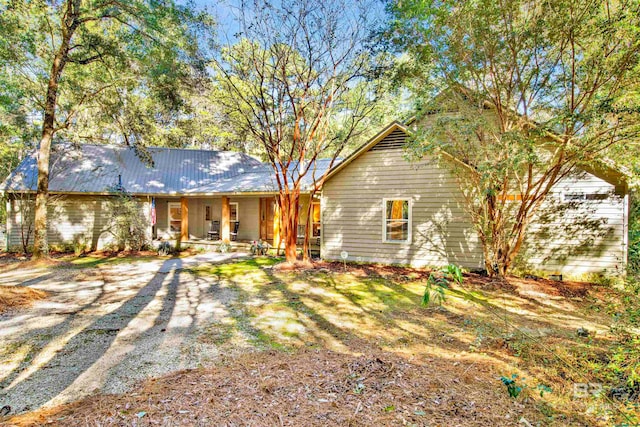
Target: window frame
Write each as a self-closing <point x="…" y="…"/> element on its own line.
<point x="237" y="212"/>
<point x="409" y="220"/>
<point x="169" y="206"/>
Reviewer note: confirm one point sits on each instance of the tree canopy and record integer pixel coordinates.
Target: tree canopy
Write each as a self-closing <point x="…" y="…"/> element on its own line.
<point x="101" y="70"/>
<point x="299" y="88"/>
<point x="528" y="91"/>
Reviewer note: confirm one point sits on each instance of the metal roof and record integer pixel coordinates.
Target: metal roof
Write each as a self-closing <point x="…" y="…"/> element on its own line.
<point x="96" y="169"/>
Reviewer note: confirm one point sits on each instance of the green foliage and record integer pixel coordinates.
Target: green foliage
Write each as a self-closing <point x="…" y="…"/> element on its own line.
<point x="509" y="97"/>
<point x="129" y="225"/>
<point x="513" y="388"/>
<point x="623" y="366"/>
<point x="132" y="75"/>
<point x="543" y="388"/>
<point x="259" y="247"/>
<point x="454" y="273"/>
<point x="439" y="281"/>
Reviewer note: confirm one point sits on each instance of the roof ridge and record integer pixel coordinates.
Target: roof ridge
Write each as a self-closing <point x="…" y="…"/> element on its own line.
<point x="109" y="145"/>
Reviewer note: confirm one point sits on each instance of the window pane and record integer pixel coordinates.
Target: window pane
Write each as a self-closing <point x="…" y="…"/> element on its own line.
<point x="398" y="209"/>
<point x="233" y="212"/>
<point x="175" y="218"/>
<point x="397" y="230"/>
<point x="316" y="212"/>
<point x="175" y="213"/>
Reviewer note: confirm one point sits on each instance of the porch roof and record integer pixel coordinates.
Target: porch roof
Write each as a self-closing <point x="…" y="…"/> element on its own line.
<point x="98" y="169"/>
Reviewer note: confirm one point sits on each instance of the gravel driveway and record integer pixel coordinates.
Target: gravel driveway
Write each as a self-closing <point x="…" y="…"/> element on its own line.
<point x="107" y="327"/>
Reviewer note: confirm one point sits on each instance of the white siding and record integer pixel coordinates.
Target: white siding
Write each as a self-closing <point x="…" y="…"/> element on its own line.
<point x="582" y="236"/>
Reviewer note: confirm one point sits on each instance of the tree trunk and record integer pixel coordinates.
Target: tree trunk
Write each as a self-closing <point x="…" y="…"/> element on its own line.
<point x="289" y="216"/>
<point x="40" y="243"/>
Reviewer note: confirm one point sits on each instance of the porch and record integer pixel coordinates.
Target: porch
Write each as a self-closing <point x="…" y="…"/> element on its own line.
<point x="191" y="219"/>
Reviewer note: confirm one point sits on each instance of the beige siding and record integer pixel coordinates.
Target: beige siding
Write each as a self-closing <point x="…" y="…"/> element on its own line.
<point x="81" y="219"/>
<point x="352" y="210"/>
<point x="578" y="237"/>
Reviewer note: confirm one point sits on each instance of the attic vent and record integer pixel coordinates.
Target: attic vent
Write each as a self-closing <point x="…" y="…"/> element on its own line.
<point x="395" y="140"/>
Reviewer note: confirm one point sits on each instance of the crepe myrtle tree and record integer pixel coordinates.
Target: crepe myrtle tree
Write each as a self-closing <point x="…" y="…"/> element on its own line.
<point x="292" y="80"/>
<point x="515" y="96"/>
<point x="72" y="56"/>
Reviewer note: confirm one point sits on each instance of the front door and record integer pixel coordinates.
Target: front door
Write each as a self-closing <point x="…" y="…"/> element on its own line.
<point x="267" y="211"/>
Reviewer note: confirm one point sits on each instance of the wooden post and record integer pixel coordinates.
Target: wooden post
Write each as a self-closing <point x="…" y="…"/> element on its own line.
<point x="225" y="225"/>
<point x="184" y="218"/>
<point x="276" y="226"/>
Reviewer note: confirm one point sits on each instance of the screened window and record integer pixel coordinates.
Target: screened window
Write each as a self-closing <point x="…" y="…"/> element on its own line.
<point x="397" y="220"/>
<point x="175" y="217"/>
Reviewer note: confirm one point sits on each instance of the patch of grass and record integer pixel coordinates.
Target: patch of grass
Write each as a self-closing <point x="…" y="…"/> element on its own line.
<point x="237" y="271"/>
<point x="217" y="333"/>
<point x="92" y="261"/>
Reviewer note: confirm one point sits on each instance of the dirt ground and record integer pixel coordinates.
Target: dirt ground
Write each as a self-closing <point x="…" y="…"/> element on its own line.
<point x="266" y="345"/>
<point x="309" y="388"/>
<point x="12" y="297"/>
<point x="105" y="324"/>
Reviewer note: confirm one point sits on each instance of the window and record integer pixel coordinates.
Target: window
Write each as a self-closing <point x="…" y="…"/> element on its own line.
<point x="597" y="196"/>
<point x="175" y="217"/>
<point x="572" y="197"/>
<point x="315" y="213"/>
<point x="396" y="220"/>
<point x="207" y="213"/>
<point x="233" y="212"/>
<point x="579" y="196"/>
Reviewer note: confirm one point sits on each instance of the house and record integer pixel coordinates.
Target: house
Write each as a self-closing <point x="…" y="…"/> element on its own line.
<point x="184" y="189"/>
<point x="374" y="205"/>
<point x="378" y="207"/>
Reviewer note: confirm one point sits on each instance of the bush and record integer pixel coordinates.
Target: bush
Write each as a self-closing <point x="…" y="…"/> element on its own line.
<point x="438" y="281"/>
<point x="128" y="223"/>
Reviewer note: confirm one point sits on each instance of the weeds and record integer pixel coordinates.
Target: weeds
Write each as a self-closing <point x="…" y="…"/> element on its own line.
<point x="513" y="388"/>
<point x="438" y="281"/>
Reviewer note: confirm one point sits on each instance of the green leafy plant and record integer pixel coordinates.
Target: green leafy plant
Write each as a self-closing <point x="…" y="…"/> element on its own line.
<point x="224" y="247"/>
<point x="128" y="223"/>
<point x="440" y="280"/>
<point x="454" y="273"/>
<point x="513" y="388"/>
<point x="259" y="247"/>
<point x="543" y="388"/>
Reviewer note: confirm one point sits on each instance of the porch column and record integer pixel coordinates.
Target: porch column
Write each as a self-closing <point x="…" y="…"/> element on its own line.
<point x="276" y="226"/>
<point x="225" y="225"/>
<point x="184" y="224"/>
